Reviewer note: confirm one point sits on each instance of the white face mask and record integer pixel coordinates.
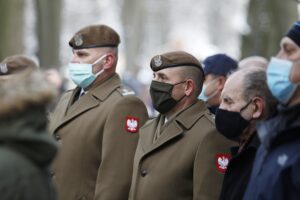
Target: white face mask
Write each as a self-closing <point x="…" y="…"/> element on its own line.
<point x="203" y="96"/>
<point x="82" y="74"/>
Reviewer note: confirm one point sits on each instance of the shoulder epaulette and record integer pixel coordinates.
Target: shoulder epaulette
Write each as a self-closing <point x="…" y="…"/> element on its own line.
<point x="124" y="91"/>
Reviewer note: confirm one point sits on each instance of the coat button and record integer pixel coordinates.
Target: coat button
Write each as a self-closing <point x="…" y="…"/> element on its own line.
<point x="143" y="172"/>
<point x="52" y="173"/>
<point x="57" y="137"/>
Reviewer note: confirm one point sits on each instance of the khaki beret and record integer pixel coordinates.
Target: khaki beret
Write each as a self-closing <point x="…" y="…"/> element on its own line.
<point x="174" y="59"/>
<point x="15" y="64"/>
<point x="95" y="36"/>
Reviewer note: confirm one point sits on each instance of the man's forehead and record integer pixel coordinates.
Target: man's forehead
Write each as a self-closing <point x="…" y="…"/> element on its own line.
<point x="173" y="71"/>
<point x="287" y="41"/>
<point x="233" y="87"/>
<point x="89" y="50"/>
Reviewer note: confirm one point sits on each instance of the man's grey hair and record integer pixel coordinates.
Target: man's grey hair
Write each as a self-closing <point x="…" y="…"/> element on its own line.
<point x="255" y="85"/>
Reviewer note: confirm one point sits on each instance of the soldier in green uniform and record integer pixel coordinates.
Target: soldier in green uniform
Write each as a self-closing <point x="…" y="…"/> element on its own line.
<point x="97" y="123"/>
<point x="180" y="155"/>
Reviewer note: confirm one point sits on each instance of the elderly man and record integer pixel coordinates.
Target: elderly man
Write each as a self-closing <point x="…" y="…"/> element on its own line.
<point x="180" y="155"/>
<point x="254" y="61"/>
<point x="245" y="100"/>
<point x="97" y="123"/>
<point x="275" y="174"/>
<point x="216" y="69"/>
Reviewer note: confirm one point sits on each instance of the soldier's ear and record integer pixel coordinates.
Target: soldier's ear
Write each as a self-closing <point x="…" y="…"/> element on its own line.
<point x="108" y="61"/>
<point x="189" y="87"/>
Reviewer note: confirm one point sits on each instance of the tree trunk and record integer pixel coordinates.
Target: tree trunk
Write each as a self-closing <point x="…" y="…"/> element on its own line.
<point x="269" y="20"/>
<point x="48" y="31"/>
<point x="11" y="23"/>
<point x="132" y="19"/>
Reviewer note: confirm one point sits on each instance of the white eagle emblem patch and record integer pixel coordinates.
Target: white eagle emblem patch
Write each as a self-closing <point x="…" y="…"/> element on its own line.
<point x="157" y="61"/>
<point x="132" y="124"/>
<point x="222" y="161"/>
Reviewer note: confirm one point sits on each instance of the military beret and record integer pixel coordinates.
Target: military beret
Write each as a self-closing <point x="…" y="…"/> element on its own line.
<point x="95" y="36"/>
<point x="219" y="64"/>
<point x="174" y="59"/>
<point x="15" y="64"/>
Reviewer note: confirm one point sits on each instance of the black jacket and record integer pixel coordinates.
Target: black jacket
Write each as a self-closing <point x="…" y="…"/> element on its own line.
<point x="239" y="170"/>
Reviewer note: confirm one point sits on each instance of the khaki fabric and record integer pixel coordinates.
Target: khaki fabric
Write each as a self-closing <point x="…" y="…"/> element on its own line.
<point x="96" y="147"/>
<point x="181" y="164"/>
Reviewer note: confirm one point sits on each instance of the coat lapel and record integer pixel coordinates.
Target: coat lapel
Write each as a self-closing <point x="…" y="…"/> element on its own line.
<point x="68" y="110"/>
<point x="85" y="103"/>
<point x="60" y="111"/>
<point x="184" y="120"/>
<point x="170" y="132"/>
<point x="173" y="130"/>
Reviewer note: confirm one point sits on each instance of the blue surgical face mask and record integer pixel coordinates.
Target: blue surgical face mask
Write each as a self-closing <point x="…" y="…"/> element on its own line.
<point x="278" y="80"/>
<point x="82" y="74"/>
<point x="203" y="96"/>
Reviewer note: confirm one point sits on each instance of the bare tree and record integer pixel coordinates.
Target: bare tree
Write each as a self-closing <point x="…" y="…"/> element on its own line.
<point x="48" y="29"/>
<point x="11" y="23"/>
<point x="269" y="20"/>
<point x="132" y="19"/>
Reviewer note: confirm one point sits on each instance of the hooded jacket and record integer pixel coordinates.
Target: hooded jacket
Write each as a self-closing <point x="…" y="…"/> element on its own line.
<point x="26" y="148"/>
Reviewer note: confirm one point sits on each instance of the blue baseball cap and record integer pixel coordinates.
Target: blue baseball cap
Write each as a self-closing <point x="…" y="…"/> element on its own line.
<point x="294" y="33"/>
<point x="219" y="64"/>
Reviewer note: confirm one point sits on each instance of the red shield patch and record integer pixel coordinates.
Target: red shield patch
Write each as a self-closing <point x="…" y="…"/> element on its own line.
<point x="222" y="161"/>
<point x="132" y="124"/>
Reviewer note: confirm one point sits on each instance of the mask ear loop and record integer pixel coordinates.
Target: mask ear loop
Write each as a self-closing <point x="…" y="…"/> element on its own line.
<point x="97" y="61"/>
<point x="178" y="84"/>
<point x="215" y="91"/>
<point x="243" y="108"/>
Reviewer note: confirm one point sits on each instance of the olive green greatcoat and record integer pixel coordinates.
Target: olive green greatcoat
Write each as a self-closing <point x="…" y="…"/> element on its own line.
<point x="181" y="163"/>
<point x="96" y="147"/>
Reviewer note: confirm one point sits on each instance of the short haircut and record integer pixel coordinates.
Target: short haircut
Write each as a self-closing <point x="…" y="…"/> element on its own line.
<point x="196" y="75"/>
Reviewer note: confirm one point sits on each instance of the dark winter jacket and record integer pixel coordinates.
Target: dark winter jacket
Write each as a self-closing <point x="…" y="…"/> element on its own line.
<point x="26" y="148"/>
<point x="275" y="174"/>
<point x="239" y="170"/>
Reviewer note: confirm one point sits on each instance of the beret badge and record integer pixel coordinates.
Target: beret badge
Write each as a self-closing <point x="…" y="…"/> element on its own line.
<point x="78" y="40"/>
<point x="3" y="68"/>
<point x="157" y="61"/>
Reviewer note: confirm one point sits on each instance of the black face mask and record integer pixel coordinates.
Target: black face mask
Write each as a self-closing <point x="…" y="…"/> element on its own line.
<point x="231" y="124"/>
<point x="161" y="95"/>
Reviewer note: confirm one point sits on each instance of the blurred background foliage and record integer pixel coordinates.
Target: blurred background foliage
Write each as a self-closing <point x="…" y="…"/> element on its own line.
<point x="42" y="28"/>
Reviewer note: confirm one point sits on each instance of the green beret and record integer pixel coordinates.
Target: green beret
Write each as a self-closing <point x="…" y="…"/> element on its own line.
<point x="95" y="36"/>
<point x="15" y="64"/>
<point x="174" y="59"/>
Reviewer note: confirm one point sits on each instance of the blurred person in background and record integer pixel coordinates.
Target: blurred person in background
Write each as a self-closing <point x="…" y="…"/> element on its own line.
<point x="57" y="80"/>
<point x="275" y="173"/>
<point x="216" y="69"/>
<point x="97" y="123"/>
<point x="16" y="64"/>
<point x="26" y="147"/>
<point x="245" y="100"/>
<point x="180" y="155"/>
<point x="254" y="61"/>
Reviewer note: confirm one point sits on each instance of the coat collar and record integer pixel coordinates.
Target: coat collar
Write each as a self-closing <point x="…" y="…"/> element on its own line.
<point x="104" y="89"/>
<point x="174" y="128"/>
<point x="68" y="110"/>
